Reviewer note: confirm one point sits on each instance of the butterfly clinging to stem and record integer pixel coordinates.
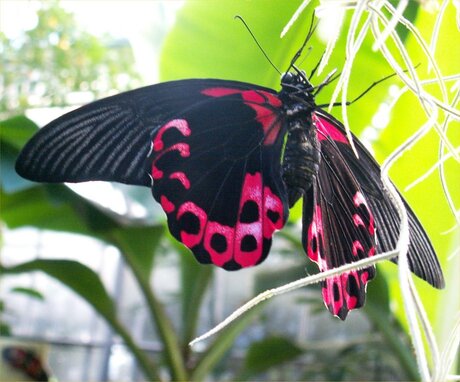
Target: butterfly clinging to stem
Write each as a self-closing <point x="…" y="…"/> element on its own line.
<point x="226" y="160"/>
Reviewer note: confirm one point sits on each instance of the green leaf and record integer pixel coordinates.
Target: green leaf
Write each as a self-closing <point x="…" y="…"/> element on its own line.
<point x="195" y="279"/>
<point x="209" y="42"/>
<point x="138" y="245"/>
<point x="78" y="277"/>
<point x="29" y="292"/>
<point x="4" y="330"/>
<point x="32" y="207"/>
<point x="56" y="207"/>
<point x="17" y="131"/>
<point x="14" y="133"/>
<point x="10" y="181"/>
<point x="378" y="311"/>
<point x="223" y="341"/>
<point x="267" y="353"/>
<point x="378" y="294"/>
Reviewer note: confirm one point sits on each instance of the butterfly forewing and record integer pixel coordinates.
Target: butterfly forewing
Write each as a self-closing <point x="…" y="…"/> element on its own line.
<point x="211" y="147"/>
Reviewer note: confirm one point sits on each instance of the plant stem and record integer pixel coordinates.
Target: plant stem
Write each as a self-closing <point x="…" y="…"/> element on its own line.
<point x="145" y="363"/>
<point x="163" y="323"/>
<point x="392" y="338"/>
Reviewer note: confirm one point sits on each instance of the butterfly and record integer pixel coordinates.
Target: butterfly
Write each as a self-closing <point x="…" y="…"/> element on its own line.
<point x="226" y="160"/>
<point x="25" y="360"/>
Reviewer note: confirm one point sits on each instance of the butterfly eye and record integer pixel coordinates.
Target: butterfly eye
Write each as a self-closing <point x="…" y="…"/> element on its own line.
<point x="288" y="79"/>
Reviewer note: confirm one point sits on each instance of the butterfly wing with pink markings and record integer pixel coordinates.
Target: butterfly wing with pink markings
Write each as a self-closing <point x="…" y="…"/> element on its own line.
<point x="216" y="170"/>
<point x="210" y="150"/>
<point x="339" y="228"/>
<point x="348" y="216"/>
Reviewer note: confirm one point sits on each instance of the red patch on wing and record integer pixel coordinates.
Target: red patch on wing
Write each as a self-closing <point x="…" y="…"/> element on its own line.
<point x="181" y="177"/>
<point x="248" y="234"/>
<point x="220" y="91"/>
<point x="159" y="149"/>
<point x="167" y="205"/>
<point x="243" y="243"/>
<point x="179" y="124"/>
<point x="315" y="238"/>
<point x="192" y="236"/>
<point x="327" y="130"/>
<point x="359" y="200"/>
<point x="346" y="291"/>
<point x="218" y="241"/>
<point x="343" y="293"/>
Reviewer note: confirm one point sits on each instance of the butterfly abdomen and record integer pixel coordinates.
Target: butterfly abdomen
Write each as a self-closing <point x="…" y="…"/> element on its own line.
<point x="301" y="158"/>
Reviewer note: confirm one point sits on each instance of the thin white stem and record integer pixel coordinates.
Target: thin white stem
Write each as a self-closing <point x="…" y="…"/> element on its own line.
<point x="427" y="329"/>
<point x="452" y="150"/>
<point x="295" y="285"/>
<point x="437" y="27"/>
<point x="333" y="39"/>
<point x="454" y="253"/>
<point x="410" y="306"/>
<point x="413" y="85"/>
<point x="456" y="4"/>
<point x="448" y="355"/>
<point x="430" y="170"/>
<point x="402" y="5"/>
<point x="348" y="57"/>
<point x="426" y="49"/>
<point x="352" y="48"/>
<point x="294" y="17"/>
<point x="442" y="174"/>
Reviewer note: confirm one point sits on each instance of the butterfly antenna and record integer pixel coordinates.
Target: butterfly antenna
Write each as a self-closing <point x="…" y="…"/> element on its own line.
<point x="348" y="103"/>
<point x="309" y="34"/>
<point x="257" y="42"/>
<point x="315" y="68"/>
<point x="331" y="77"/>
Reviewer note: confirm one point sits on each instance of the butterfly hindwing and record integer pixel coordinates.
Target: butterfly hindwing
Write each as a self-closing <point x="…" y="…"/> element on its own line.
<point x="338" y="229"/>
<point x="421" y="256"/>
<point x="216" y="171"/>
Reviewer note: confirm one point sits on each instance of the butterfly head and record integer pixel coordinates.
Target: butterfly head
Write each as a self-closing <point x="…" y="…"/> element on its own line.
<point x="296" y="87"/>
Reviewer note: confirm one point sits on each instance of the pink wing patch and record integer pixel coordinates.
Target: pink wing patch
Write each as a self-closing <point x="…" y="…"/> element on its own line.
<point x="159" y="149"/>
<point x="260" y="214"/>
<point x="344" y="292"/>
<point x="327" y="130"/>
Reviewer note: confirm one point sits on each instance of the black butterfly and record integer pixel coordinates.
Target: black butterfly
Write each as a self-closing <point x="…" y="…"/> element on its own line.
<point x="25" y="360"/>
<point x="226" y="160"/>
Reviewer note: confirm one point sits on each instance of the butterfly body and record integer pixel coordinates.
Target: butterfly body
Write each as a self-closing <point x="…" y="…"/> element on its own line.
<point x="226" y="160"/>
<point x="302" y="151"/>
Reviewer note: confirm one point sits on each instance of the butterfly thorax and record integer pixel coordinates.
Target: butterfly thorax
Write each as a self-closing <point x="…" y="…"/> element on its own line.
<point x="302" y="150"/>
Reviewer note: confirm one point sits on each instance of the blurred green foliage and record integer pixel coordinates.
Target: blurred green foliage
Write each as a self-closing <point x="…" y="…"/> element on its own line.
<point x="57" y="57"/>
